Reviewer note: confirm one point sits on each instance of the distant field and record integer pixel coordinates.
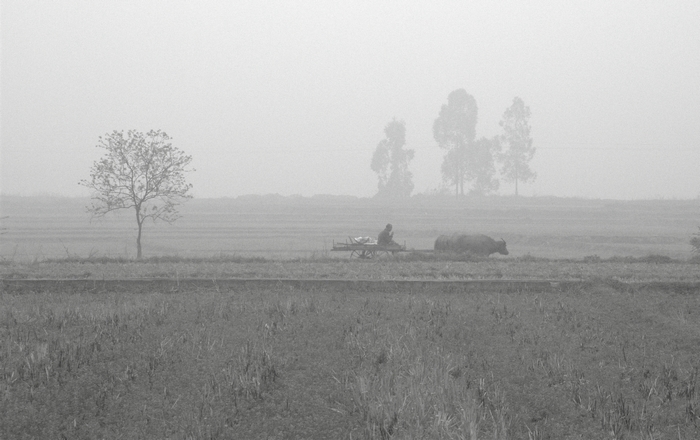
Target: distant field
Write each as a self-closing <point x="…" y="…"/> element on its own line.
<point x="36" y="228"/>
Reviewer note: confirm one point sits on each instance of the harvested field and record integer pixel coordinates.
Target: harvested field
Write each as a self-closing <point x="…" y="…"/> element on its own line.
<point x="589" y="329"/>
<point x="592" y="361"/>
<point x="645" y="269"/>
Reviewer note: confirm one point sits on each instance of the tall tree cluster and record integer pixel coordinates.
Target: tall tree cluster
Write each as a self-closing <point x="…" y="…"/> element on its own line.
<point x="390" y="162"/>
<point x="469" y="161"/>
<point x="466" y="159"/>
<point x="455" y="130"/>
<point x="516" y="136"/>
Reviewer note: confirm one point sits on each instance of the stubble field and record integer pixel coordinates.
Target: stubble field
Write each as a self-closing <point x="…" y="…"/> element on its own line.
<point x="614" y="356"/>
<point x="591" y="362"/>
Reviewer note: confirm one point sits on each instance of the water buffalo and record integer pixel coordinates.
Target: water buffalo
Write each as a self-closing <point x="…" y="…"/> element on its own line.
<point x="480" y="245"/>
<point x="442" y="244"/>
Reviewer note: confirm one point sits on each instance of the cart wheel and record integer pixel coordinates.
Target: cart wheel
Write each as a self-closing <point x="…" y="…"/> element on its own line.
<point x="365" y="254"/>
<point x="360" y="254"/>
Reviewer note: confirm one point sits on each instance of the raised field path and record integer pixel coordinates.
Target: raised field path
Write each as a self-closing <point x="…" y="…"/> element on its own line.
<point x="10" y="285"/>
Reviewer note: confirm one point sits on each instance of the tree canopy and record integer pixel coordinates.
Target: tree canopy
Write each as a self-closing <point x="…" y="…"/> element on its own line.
<point x="140" y="171"/>
<point x="390" y="162"/>
<point x="455" y="130"/>
<point x="481" y="168"/>
<point x="518" y="144"/>
<point x="465" y="159"/>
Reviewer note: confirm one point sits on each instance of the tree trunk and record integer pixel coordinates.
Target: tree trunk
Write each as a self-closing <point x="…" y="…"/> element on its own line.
<point x="139" y="222"/>
<point x="138" y="243"/>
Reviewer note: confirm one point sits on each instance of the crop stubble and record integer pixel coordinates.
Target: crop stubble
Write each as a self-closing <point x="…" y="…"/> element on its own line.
<point x="284" y="363"/>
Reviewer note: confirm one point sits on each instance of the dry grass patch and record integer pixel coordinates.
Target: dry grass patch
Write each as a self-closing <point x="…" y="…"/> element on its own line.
<point x="592" y="362"/>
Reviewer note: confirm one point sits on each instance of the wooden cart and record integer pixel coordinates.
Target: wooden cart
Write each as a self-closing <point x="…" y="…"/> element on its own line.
<point x="365" y="247"/>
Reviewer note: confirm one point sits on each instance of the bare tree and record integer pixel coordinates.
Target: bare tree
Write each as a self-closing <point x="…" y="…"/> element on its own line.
<point x="140" y="171"/>
<point x="455" y="130"/>
<point x="390" y="162"/>
<point x="519" y="150"/>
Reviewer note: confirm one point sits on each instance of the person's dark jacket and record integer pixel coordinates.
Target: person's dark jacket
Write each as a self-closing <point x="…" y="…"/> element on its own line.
<point x="385" y="237"/>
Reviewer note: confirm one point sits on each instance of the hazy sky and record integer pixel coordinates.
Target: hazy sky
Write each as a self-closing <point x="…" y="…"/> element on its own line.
<point x="291" y="97"/>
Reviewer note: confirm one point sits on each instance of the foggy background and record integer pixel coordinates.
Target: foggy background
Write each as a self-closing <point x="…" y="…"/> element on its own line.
<point x="292" y="97"/>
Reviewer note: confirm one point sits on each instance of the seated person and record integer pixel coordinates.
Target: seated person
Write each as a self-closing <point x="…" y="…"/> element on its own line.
<point x="386" y="237"/>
